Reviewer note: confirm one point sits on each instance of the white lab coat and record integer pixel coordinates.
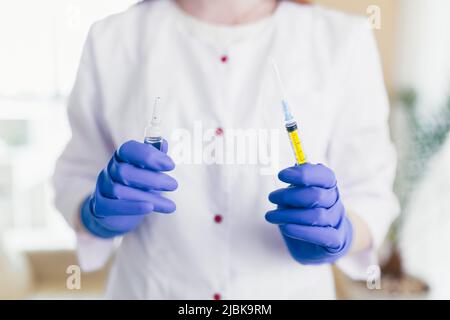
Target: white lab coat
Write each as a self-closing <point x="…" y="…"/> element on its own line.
<point x="333" y="79"/>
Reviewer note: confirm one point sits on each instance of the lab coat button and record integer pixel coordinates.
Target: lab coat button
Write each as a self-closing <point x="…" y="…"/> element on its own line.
<point x="217" y="296"/>
<point x="218" y="218"/>
<point x="219" y="131"/>
<point x="224" y="58"/>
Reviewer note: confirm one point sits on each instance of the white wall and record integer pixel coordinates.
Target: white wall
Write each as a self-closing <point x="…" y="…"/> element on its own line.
<point x="423" y="50"/>
<point x="41" y="41"/>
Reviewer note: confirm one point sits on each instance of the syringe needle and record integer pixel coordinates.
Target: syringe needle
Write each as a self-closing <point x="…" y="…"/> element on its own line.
<point x="289" y="122"/>
<point x="284" y="103"/>
<point x="278" y="78"/>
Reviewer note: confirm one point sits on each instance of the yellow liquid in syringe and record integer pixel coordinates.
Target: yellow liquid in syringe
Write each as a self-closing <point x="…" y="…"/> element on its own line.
<point x="296" y="143"/>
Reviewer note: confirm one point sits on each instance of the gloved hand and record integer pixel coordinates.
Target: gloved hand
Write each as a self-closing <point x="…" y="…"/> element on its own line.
<point x="128" y="189"/>
<point x="310" y="215"/>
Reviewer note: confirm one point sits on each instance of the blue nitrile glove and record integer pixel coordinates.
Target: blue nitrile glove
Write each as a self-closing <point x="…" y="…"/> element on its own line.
<point x="128" y="189"/>
<point x="310" y="215"/>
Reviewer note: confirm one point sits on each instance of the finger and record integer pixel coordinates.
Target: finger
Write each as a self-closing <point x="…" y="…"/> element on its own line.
<point x="160" y="203"/>
<point x="310" y="197"/>
<point x="115" y="190"/>
<point x="309" y="174"/>
<point x="322" y="236"/>
<point x="146" y="179"/>
<point x="120" y="224"/>
<point x="319" y="217"/>
<point x="316" y="254"/>
<point x="105" y="206"/>
<point x="144" y="156"/>
<point x="113" y="198"/>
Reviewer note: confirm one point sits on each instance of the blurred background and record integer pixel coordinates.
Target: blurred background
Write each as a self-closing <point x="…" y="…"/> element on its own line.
<point x="40" y="46"/>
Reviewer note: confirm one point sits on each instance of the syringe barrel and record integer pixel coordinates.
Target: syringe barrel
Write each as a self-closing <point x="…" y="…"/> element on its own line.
<point x="292" y="130"/>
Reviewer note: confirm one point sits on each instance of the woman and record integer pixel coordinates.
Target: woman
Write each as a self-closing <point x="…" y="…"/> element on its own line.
<point x="192" y="219"/>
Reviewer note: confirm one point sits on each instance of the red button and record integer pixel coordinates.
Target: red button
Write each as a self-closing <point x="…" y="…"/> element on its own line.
<point x="224" y="58"/>
<point x="218" y="218"/>
<point x="217" y="296"/>
<point x="219" y="131"/>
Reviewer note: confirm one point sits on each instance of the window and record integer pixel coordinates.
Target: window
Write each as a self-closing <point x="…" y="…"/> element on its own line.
<point x="40" y="47"/>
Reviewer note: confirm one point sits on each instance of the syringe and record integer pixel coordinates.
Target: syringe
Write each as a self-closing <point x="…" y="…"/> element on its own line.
<point x="289" y="121"/>
<point x="152" y="133"/>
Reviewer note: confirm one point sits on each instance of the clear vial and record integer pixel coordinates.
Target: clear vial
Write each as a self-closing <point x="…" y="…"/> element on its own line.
<point x="154" y="141"/>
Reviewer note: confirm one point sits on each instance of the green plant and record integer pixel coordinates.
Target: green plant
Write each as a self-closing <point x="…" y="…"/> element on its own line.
<point x="424" y="137"/>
